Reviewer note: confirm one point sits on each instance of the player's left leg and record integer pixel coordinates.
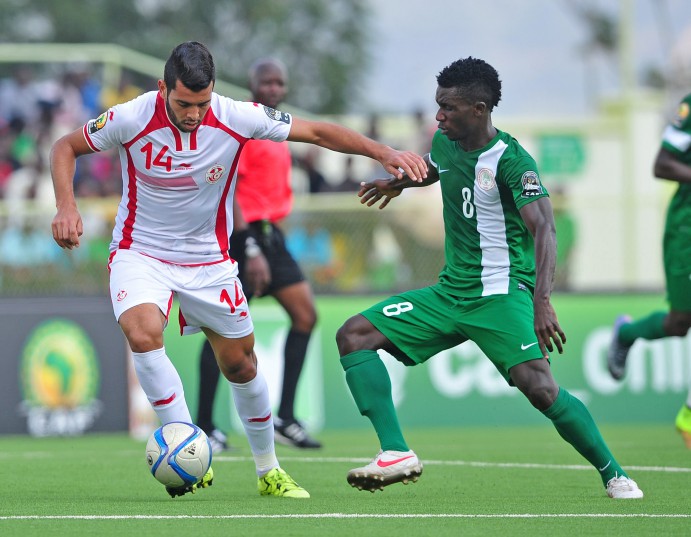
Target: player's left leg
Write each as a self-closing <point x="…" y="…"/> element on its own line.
<point x="238" y="363"/>
<point x="574" y="424"/>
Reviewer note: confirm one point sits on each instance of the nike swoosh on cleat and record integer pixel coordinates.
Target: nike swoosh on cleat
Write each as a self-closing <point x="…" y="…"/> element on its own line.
<point x="384" y="464"/>
<point x="524" y="347"/>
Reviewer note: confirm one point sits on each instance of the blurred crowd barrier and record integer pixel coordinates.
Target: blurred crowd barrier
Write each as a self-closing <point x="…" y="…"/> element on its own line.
<point x="342" y="245"/>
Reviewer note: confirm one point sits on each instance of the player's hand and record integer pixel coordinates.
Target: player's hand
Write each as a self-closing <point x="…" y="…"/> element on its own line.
<point x="67" y="227"/>
<point x="257" y="274"/>
<point x="373" y="191"/>
<point x="399" y="162"/>
<point x="547" y="328"/>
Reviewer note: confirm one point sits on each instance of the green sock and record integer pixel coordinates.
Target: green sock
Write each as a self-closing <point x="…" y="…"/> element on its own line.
<point x="650" y="327"/>
<point x="370" y="384"/>
<point x="575" y="425"/>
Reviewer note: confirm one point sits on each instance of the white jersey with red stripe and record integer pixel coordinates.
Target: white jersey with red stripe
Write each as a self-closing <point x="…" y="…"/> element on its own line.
<point x="178" y="187"/>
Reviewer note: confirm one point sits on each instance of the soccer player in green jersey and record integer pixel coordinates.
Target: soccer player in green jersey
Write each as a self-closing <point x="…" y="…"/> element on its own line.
<point x="495" y="288"/>
<point x="673" y="163"/>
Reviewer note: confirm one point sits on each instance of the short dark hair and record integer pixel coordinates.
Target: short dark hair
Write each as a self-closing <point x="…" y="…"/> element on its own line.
<point x="192" y="64"/>
<point x="475" y="79"/>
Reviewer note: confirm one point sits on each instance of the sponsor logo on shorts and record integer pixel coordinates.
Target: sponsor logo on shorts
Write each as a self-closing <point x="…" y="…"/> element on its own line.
<point x="524" y="347"/>
<point x="214" y="174"/>
<point x="122" y="294"/>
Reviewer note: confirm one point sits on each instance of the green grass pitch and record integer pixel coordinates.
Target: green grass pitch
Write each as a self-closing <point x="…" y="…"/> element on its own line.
<point x="476" y="481"/>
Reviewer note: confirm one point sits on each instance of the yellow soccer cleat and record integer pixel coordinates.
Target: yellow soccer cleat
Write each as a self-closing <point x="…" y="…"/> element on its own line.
<point x="683" y="423"/>
<point x="203" y="483"/>
<point x="278" y="483"/>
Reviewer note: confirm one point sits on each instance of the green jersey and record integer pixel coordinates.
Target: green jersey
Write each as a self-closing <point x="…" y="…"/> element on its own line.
<point x="488" y="247"/>
<point x="677" y="241"/>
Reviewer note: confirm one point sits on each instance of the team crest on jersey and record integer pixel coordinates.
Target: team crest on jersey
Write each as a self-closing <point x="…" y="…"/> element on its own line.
<point x="97" y="124"/>
<point x="485" y="179"/>
<point x="214" y="174"/>
<point x="682" y="114"/>
<point x="277" y="115"/>
<point x="531" y="185"/>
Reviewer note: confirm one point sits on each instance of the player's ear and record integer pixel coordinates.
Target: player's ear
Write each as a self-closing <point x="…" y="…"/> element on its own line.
<point x="162" y="88"/>
<point x="480" y="107"/>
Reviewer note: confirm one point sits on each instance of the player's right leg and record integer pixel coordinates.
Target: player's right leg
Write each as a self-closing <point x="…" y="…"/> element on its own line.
<point x="141" y="297"/>
<point x="409" y="326"/>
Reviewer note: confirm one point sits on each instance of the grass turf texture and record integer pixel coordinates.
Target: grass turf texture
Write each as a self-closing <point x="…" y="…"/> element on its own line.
<point x="476" y="481"/>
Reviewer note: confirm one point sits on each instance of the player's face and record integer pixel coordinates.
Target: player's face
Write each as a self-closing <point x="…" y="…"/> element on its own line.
<point x="269" y="86"/>
<point x="186" y="108"/>
<point x="456" y="117"/>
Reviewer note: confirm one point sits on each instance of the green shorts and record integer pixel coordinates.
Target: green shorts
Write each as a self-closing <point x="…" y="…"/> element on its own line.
<point x="677" y="257"/>
<point x="424" y="322"/>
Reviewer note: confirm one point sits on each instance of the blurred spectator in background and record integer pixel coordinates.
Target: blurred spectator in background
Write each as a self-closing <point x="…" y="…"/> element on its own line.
<point x="126" y="90"/>
<point x="19" y="95"/>
<point x="315" y="178"/>
<point x="350" y="182"/>
<point x="566" y="238"/>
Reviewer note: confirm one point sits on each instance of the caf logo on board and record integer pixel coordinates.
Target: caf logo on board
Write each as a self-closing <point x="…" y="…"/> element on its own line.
<point x="60" y="379"/>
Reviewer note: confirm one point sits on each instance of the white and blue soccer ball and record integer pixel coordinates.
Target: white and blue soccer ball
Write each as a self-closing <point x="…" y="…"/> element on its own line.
<point x="178" y="454"/>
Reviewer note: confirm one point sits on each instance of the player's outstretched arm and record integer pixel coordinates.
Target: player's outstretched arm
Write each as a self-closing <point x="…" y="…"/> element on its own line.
<point x="385" y="190"/>
<point x="345" y="140"/>
<point x="67" y="225"/>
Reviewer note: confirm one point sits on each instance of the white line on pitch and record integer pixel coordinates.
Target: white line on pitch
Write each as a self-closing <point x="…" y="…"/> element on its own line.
<point x="343" y="515"/>
<point x="477" y="464"/>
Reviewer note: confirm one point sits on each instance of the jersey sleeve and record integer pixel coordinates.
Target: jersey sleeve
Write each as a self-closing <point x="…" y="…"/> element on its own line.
<point x="521" y="176"/>
<point x="254" y="120"/>
<point x="677" y="135"/>
<point x="119" y="123"/>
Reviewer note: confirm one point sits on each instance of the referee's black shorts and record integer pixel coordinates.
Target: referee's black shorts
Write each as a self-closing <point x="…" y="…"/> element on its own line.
<point x="285" y="270"/>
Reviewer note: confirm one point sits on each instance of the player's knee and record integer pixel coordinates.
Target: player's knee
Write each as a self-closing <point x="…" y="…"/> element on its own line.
<point x="541" y="395"/>
<point x="142" y="341"/>
<point x="305" y="321"/>
<point x="238" y="369"/>
<point x="345" y="337"/>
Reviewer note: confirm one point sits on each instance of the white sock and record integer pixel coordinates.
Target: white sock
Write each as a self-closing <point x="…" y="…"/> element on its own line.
<point x="254" y="408"/>
<point x="162" y="385"/>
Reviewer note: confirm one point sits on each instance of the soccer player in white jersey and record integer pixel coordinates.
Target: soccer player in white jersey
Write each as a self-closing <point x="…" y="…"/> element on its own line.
<point x="494" y="289"/>
<point x="179" y="148"/>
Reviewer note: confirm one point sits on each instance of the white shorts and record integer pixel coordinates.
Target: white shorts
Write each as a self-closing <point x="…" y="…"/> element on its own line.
<point x="210" y="295"/>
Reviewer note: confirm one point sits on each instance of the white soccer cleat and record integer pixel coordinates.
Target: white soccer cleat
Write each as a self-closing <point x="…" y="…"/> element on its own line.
<point x="387" y="468"/>
<point x="623" y="488"/>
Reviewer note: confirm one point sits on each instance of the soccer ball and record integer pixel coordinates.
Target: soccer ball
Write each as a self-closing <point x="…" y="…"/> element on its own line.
<point x="178" y="454"/>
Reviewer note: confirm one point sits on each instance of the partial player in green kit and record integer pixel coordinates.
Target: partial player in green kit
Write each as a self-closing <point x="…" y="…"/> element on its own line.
<point x="495" y="288"/>
<point x="673" y="162"/>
